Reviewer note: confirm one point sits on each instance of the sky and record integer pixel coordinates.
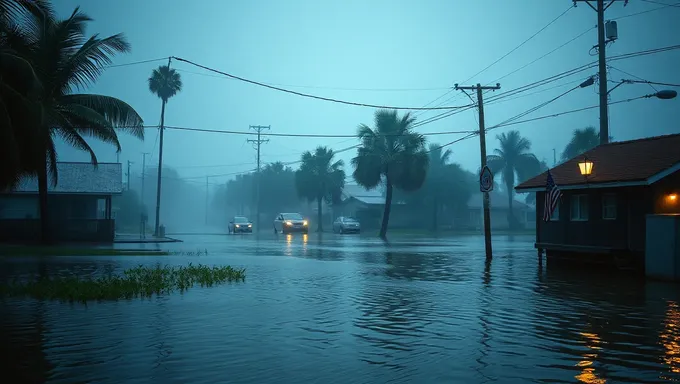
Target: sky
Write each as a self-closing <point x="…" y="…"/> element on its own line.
<point x="394" y="53"/>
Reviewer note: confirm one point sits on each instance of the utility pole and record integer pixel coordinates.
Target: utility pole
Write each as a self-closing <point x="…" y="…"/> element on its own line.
<point x="141" y="197"/>
<point x="554" y="157"/>
<point x="602" y="41"/>
<point x="257" y="143"/>
<point x="482" y="146"/>
<point x="128" y="174"/>
<point x="160" y="165"/>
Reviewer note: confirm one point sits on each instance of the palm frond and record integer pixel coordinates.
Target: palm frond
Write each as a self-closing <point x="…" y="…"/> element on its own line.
<point x="116" y="112"/>
<point x="368" y="168"/>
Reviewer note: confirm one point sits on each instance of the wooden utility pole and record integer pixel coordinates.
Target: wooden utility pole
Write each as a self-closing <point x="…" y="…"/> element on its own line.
<point x="600" y="7"/>
<point x="257" y="143"/>
<point x="128" y="174"/>
<point x="482" y="146"/>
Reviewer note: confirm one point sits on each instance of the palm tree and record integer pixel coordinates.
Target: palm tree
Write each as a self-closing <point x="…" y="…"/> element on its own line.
<point x="19" y="84"/>
<point x="65" y="60"/>
<point x="435" y="183"/>
<point x="320" y="178"/>
<point x="391" y="153"/>
<point x="582" y="140"/>
<point x="511" y="160"/>
<point x="164" y="83"/>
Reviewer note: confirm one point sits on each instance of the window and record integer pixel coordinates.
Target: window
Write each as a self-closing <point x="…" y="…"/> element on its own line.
<point x="609" y="206"/>
<point x="579" y="208"/>
<point x="556" y="213"/>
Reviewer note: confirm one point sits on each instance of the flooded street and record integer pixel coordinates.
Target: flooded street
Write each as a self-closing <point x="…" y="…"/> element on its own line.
<point x="349" y="309"/>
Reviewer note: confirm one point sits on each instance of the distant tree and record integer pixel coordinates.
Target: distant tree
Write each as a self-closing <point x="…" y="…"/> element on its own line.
<point x="130" y="209"/>
<point x="64" y="60"/>
<point x="513" y="160"/>
<point x="531" y="197"/>
<point x="582" y="140"/>
<point x="320" y="178"/>
<point x="391" y="152"/>
<point x="164" y="83"/>
<point x="278" y="190"/>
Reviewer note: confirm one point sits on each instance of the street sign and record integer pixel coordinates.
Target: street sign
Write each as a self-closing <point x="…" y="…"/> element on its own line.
<point x="486" y="180"/>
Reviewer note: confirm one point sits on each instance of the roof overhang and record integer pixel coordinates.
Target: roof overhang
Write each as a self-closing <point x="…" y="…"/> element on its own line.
<point x="616" y="184"/>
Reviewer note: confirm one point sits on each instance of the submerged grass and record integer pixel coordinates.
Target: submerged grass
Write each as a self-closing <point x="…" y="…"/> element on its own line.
<point x="140" y="281"/>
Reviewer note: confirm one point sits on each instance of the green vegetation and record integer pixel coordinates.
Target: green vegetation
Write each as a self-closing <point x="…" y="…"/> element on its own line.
<point x="320" y="178"/>
<point x="135" y="282"/>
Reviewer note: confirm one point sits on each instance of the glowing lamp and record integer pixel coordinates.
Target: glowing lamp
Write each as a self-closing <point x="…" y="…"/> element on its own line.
<point x="673" y="197"/>
<point x="586" y="167"/>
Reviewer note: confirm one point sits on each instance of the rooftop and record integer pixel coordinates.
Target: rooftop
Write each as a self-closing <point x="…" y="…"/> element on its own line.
<point x="80" y="178"/>
<point x="624" y="163"/>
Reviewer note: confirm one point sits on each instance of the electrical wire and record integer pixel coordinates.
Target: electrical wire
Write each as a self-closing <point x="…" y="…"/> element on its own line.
<point x="313" y="135"/>
<point x="323" y="87"/>
<point x="310" y="95"/>
<point x="135" y="63"/>
<point x="660" y="3"/>
<point x="655" y="83"/>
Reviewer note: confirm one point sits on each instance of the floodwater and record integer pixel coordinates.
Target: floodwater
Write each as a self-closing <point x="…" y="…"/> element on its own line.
<point x="349" y="309"/>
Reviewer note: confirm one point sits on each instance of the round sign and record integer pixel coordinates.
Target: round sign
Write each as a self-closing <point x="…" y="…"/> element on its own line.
<point x="486" y="180"/>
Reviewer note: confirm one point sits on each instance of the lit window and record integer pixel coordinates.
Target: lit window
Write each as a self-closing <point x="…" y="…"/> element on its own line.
<point x="556" y="213"/>
<point x="609" y="206"/>
<point x="579" y="208"/>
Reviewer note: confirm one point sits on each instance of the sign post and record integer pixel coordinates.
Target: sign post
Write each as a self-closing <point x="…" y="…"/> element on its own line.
<point x="486" y="180"/>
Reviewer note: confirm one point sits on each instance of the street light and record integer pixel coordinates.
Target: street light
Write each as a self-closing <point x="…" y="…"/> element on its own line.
<point x="585" y="166"/>
<point x="664" y="94"/>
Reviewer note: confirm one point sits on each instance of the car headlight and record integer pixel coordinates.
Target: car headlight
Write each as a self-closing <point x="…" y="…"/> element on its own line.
<point x="289" y="223"/>
<point x="250" y="225"/>
<point x="304" y="222"/>
<point x="238" y="226"/>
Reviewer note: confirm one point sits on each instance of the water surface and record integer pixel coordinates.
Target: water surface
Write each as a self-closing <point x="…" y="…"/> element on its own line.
<point x="348" y="309"/>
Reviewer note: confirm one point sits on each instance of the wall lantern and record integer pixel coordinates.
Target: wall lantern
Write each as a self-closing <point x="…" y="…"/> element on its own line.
<point x="585" y="166"/>
<point x="673" y="197"/>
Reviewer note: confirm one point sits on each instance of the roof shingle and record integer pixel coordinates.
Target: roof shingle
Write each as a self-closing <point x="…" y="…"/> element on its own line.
<point x="106" y="179"/>
<point x="625" y="161"/>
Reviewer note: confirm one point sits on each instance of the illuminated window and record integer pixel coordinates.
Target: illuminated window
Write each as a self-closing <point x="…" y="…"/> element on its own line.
<point x="609" y="206"/>
<point x="579" y="208"/>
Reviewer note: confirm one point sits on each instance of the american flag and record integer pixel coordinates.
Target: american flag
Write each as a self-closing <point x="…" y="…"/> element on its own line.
<point x="552" y="197"/>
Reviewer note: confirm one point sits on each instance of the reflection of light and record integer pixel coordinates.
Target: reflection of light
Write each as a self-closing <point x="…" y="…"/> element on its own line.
<point x="670" y="337"/>
<point x="588" y="374"/>
<point x="304" y="238"/>
<point x="289" y="239"/>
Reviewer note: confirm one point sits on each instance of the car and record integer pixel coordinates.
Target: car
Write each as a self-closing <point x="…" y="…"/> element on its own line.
<point x="240" y="224"/>
<point x="290" y="222"/>
<point x="346" y="225"/>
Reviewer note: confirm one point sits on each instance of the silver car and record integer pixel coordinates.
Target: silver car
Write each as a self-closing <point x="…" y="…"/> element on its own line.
<point x="290" y="222"/>
<point x="240" y="224"/>
<point x="346" y="225"/>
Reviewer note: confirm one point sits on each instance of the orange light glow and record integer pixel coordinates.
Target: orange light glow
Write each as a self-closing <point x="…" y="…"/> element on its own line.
<point x="672" y="197"/>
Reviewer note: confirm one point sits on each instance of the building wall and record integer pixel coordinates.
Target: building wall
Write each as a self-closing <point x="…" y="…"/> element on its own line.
<point x="19" y="207"/>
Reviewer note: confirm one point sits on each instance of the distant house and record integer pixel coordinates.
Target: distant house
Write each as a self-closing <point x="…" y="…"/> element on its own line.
<point x="606" y="212"/>
<point x="80" y="205"/>
<point x="367" y="206"/>
<point x="498" y="209"/>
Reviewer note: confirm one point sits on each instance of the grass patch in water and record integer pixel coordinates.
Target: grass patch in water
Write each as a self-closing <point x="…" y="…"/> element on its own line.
<point x="141" y="281"/>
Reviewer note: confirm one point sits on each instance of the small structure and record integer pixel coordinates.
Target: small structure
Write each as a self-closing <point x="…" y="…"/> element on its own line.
<point x="79" y="205"/>
<point x="607" y="194"/>
<point x="367" y="206"/>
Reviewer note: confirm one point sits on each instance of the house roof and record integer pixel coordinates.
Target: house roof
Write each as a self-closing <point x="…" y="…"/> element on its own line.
<point x="497" y="199"/>
<point x="625" y="163"/>
<point x="370" y="197"/>
<point x="80" y="178"/>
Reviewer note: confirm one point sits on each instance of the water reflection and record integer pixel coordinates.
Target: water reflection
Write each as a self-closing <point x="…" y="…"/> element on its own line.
<point x="670" y="337"/>
<point x="588" y="374"/>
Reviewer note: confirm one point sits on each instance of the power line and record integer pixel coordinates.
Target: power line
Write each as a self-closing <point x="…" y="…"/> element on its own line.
<point x="136" y="62"/>
<point x="307" y="94"/>
<point x="643" y="12"/>
<point x="324" y="87"/>
<point x="654" y="83"/>
<point x="660" y="3"/>
<point x="311" y="135"/>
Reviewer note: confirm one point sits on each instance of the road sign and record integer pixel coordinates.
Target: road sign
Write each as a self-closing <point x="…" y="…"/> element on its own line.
<point x="486" y="180"/>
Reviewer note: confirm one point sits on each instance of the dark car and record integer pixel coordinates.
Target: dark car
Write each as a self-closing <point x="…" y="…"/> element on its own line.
<point x="346" y="225"/>
<point x="240" y="224"/>
<point x="290" y="222"/>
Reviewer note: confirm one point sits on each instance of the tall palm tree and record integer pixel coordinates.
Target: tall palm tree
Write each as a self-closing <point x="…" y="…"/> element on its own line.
<point x="582" y="140"/>
<point x="320" y="178"/>
<point x="164" y="83"/>
<point x="511" y="160"/>
<point x="391" y="153"/>
<point x="66" y="60"/>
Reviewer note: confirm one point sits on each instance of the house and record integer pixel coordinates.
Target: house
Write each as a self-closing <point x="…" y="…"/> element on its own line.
<point x="498" y="210"/>
<point x="606" y="211"/>
<point x="368" y="206"/>
<point x="79" y="205"/>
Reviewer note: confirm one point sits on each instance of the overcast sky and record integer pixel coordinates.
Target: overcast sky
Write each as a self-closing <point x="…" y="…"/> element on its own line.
<point x="361" y="51"/>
